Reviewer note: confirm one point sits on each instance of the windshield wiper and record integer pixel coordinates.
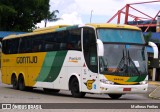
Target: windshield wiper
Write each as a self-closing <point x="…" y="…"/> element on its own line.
<point x="126" y="66"/>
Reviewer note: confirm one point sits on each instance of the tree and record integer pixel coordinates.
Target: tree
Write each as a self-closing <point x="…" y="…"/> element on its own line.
<point x="147" y="37"/>
<point x="22" y="15"/>
<point x="51" y="16"/>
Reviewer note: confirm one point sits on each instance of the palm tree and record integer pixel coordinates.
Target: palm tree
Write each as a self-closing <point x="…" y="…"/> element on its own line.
<point x="51" y="16"/>
<point x="147" y="37"/>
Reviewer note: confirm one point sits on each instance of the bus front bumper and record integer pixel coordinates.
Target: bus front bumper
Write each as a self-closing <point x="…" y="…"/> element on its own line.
<point x="123" y="89"/>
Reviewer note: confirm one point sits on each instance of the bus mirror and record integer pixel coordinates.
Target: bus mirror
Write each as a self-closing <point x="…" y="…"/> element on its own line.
<point x="100" y="47"/>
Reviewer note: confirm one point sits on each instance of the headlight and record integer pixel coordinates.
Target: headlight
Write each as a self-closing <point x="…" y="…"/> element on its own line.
<point x="106" y="81"/>
<point x="143" y="82"/>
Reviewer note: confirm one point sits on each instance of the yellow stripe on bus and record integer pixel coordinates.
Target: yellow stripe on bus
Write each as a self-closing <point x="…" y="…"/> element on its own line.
<point x="119" y="79"/>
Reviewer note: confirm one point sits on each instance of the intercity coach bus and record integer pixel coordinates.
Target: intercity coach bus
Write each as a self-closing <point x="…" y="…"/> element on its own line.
<point x="91" y="58"/>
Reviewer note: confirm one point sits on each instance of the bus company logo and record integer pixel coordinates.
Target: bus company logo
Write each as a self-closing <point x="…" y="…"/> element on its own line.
<point x="27" y="59"/>
<point x="74" y="59"/>
<point x="89" y="84"/>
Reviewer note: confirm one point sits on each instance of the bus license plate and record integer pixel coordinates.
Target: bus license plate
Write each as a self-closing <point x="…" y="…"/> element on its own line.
<point x="126" y="89"/>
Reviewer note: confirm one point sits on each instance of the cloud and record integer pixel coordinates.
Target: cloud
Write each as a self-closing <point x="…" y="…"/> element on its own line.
<point x="66" y="19"/>
<point x="64" y="6"/>
<point x="69" y="18"/>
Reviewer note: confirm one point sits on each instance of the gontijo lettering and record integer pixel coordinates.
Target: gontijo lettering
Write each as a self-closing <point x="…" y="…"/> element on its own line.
<point x="27" y="59"/>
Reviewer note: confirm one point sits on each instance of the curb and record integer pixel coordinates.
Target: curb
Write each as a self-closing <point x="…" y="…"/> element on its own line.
<point x="154" y="83"/>
<point x="153" y="93"/>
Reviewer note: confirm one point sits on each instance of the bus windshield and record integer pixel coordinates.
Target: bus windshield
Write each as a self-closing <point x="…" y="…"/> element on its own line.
<point x="120" y="35"/>
<point x="124" y="53"/>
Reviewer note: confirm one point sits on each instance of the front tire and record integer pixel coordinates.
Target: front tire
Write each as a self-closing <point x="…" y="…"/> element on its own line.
<point x="115" y="96"/>
<point x="74" y="87"/>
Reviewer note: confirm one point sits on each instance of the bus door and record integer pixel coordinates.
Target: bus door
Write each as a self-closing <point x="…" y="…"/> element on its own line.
<point x="90" y="66"/>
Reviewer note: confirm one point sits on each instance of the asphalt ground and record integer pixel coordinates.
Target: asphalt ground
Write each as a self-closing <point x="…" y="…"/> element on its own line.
<point x="9" y="95"/>
<point x="155" y="94"/>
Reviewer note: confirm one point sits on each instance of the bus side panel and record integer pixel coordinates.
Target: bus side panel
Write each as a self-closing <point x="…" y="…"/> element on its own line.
<point x="52" y="71"/>
<point x="14" y="67"/>
<point x="34" y="67"/>
<point x="71" y="65"/>
<point x="4" y="75"/>
<point x="3" y="69"/>
<point x="62" y="80"/>
<point x="32" y="75"/>
<point x="6" y="64"/>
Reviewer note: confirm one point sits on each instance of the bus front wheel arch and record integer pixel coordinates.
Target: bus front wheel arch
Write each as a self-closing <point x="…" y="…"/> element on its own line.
<point x="21" y="83"/>
<point x="74" y="87"/>
<point x="14" y="81"/>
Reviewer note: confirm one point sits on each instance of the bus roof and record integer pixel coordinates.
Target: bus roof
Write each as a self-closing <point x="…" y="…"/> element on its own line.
<point x="66" y="27"/>
<point x="37" y="31"/>
<point x="116" y="26"/>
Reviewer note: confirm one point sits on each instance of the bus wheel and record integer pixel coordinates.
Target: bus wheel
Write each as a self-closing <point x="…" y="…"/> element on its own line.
<point x="115" y="96"/>
<point x="21" y="83"/>
<point x="14" y="82"/>
<point x="74" y="87"/>
<point x="51" y="90"/>
<point x="29" y="88"/>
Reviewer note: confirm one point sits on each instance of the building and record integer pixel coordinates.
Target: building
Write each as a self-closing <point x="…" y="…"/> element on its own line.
<point x="6" y="33"/>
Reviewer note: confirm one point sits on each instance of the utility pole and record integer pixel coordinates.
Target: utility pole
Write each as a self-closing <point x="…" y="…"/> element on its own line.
<point x="91" y="16"/>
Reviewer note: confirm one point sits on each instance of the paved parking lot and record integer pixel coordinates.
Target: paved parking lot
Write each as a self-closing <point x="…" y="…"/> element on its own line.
<point x="9" y="95"/>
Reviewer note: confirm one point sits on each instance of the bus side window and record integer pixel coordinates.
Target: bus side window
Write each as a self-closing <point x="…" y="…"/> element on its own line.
<point x="12" y="46"/>
<point x="49" y="47"/>
<point x="74" y="39"/>
<point x="62" y="46"/>
<point x="4" y="47"/>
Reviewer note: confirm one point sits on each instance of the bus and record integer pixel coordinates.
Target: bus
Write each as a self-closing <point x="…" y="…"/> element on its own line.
<point x="91" y="58"/>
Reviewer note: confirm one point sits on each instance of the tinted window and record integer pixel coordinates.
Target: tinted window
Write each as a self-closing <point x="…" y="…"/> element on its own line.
<point x="25" y="45"/>
<point x="10" y="46"/>
<point x="62" y="40"/>
<point x="74" y="39"/>
<point x="90" y="49"/>
<point x="120" y="35"/>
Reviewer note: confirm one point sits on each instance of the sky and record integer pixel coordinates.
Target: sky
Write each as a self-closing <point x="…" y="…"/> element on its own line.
<point x="95" y="11"/>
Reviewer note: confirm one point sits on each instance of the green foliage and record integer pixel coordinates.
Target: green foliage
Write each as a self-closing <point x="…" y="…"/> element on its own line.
<point x="22" y="15"/>
<point x="51" y="16"/>
<point x="147" y="37"/>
